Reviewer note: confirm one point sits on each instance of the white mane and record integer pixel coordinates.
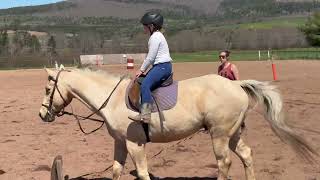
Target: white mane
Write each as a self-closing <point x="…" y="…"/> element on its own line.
<point x="98" y="75"/>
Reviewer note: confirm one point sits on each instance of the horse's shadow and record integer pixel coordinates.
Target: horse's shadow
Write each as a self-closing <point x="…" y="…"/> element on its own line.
<point x="134" y="173"/>
<point x="82" y="178"/>
<point x="153" y="178"/>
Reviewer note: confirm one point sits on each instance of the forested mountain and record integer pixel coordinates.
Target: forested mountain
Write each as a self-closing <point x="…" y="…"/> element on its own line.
<point x="91" y="26"/>
<point x="131" y="9"/>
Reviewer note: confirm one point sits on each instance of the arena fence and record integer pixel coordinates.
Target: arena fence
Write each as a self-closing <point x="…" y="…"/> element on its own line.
<point x="35" y="61"/>
<point x="38" y="61"/>
<point x="248" y="55"/>
<point x="101" y="59"/>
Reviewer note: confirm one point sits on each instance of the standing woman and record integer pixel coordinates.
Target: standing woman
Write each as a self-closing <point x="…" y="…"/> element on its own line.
<point x="158" y="57"/>
<point x="227" y="69"/>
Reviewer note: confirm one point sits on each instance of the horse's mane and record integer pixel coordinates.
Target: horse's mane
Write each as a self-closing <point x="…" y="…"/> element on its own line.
<point x="96" y="73"/>
<point x="99" y="74"/>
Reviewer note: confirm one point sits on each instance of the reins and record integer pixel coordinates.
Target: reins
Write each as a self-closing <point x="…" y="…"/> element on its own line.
<point x="78" y="117"/>
<point x="93" y="113"/>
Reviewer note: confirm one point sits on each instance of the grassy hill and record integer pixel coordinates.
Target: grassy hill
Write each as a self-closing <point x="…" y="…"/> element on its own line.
<point x="88" y="25"/>
<point x="126" y="9"/>
<point x="75" y="15"/>
<point x="132" y="9"/>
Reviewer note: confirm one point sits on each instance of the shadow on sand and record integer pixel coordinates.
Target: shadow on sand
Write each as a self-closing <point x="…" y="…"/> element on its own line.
<point x="82" y="178"/>
<point x="134" y="173"/>
<point x="153" y="178"/>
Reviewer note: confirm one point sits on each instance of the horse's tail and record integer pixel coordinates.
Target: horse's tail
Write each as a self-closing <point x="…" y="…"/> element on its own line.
<point x="266" y="94"/>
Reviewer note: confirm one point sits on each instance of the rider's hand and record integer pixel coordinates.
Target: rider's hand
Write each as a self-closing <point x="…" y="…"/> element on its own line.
<point x="138" y="73"/>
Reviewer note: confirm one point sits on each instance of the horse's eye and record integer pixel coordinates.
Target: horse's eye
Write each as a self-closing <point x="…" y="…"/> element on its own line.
<point x="47" y="91"/>
<point x="50" y="78"/>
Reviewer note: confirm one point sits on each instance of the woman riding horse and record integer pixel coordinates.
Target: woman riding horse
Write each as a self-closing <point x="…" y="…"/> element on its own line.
<point x="159" y="57"/>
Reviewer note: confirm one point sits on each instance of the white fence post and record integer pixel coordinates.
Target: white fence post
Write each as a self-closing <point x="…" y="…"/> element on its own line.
<point x="124" y="57"/>
<point x="56" y="65"/>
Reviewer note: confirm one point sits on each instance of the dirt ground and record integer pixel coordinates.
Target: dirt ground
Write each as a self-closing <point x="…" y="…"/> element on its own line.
<point x="28" y="145"/>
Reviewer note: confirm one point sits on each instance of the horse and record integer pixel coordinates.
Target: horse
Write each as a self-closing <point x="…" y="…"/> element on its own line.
<point x="210" y="101"/>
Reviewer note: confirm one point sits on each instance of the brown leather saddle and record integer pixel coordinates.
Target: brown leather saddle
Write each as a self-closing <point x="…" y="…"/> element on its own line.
<point x="134" y="91"/>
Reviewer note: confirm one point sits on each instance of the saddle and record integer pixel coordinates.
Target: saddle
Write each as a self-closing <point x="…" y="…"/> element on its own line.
<point x="165" y="96"/>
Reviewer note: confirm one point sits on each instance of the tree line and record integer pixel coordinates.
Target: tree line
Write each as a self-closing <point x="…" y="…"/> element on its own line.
<point x="21" y="42"/>
<point x="235" y="9"/>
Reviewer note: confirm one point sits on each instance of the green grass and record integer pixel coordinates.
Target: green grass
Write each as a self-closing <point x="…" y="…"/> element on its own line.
<point x="203" y="56"/>
<point x="210" y="56"/>
<point x="283" y="55"/>
<point x="250" y="55"/>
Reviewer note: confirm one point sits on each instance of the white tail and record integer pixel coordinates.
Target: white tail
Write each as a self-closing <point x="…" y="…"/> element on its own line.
<point x="267" y="94"/>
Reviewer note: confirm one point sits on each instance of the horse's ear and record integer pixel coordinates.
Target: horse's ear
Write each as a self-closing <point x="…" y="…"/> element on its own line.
<point x="61" y="67"/>
<point x="51" y="73"/>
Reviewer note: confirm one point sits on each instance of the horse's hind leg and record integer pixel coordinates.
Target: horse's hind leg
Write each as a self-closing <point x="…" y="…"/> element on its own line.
<point x="137" y="153"/>
<point x="120" y="156"/>
<point x="244" y="153"/>
<point x="221" y="151"/>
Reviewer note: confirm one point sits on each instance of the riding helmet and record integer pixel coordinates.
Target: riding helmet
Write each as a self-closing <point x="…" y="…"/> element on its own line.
<point x="152" y="18"/>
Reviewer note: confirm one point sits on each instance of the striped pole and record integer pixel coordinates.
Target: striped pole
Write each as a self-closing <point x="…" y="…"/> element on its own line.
<point x="130" y="63"/>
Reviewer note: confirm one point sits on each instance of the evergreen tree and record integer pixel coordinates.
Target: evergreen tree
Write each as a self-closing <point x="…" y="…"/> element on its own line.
<point x="4" y="41"/>
<point x="312" y="29"/>
<point x="52" y="54"/>
<point x="35" y="44"/>
<point x="51" y="44"/>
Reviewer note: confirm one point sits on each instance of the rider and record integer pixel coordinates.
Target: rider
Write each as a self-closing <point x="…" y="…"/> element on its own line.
<point x="158" y="57"/>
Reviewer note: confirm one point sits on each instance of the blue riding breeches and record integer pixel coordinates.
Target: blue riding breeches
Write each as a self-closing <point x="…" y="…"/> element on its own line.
<point x="155" y="77"/>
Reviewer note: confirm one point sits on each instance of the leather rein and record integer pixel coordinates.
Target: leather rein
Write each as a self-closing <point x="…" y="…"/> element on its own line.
<point x="77" y="117"/>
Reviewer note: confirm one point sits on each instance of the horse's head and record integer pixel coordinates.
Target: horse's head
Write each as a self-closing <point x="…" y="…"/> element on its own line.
<point x="56" y="97"/>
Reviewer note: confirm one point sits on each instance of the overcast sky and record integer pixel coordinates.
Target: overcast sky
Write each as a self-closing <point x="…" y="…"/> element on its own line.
<point x="4" y="4"/>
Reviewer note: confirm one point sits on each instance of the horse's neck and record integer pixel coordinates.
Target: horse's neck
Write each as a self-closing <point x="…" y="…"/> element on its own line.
<point x="91" y="91"/>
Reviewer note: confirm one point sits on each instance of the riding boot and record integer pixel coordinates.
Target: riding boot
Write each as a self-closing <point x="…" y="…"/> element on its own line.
<point x="145" y="114"/>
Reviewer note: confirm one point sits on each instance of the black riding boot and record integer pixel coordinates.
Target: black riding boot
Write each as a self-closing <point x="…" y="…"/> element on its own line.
<point x="145" y="114"/>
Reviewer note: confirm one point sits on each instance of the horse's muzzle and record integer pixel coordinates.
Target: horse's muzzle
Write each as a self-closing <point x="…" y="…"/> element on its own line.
<point x="47" y="118"/>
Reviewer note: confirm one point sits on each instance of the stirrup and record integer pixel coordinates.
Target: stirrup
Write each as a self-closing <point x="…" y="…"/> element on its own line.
<point x="139" y="118"/>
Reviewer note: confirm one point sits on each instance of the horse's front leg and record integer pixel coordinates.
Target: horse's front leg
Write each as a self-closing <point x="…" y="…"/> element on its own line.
<point x="120" y="156"/>
<point x="137" y="153"/>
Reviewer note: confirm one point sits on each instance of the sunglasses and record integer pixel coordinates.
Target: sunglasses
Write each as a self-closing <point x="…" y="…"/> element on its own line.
<point x="222" y="56"/>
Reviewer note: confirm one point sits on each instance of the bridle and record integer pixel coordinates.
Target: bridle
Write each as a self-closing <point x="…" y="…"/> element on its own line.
<point x="77" y="117"/>
<point x="55" y="87"/>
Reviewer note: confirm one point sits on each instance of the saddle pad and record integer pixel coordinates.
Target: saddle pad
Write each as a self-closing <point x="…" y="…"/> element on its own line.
<point x="166" y="97"/>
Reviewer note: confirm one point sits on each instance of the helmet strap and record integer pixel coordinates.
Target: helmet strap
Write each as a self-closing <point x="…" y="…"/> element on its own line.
<point x="151" y="31"/>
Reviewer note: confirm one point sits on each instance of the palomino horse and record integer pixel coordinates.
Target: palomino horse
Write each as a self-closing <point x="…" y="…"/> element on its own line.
<point x="210" y="101"/>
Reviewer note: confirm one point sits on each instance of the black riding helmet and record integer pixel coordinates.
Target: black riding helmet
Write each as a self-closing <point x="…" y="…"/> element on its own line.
<point x="152" y="18"/>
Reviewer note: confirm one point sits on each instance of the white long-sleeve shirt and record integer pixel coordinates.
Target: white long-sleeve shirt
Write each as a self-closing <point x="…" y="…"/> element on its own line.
<point x="158" y="51"/>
